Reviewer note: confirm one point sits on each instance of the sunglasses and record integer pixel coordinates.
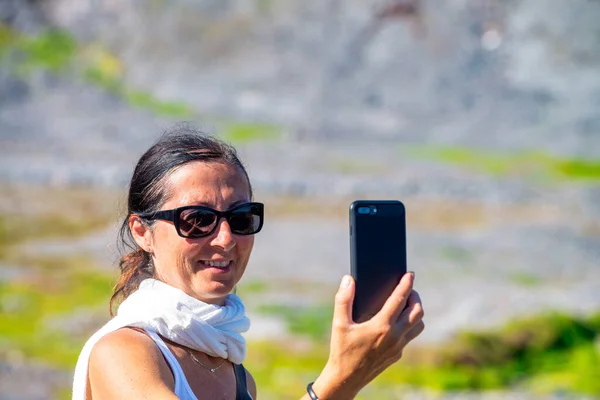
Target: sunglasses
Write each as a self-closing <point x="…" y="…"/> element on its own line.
<point x="198" y="221"/>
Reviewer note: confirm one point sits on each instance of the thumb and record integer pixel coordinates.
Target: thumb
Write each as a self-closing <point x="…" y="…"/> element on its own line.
<point x="344" y="298"/>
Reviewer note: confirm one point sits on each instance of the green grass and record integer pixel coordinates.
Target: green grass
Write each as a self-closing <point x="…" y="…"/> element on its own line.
<point x="535" y="165"/>
<point x="50" y="287"/>
<point x="313" y="322"/>
<point x="579" y="169"/>
<point x="525" y="279"/>
<point x="107" y="80"/>
<point x="28" y="307"/>
<point x="247" y="132"/>
<point x="52" y="50"/>
<point x="56" y="51"/>
<point x="546" y="353"/>
<point x="145" y="100"/>
<point x="252" y="287"/>
<point x="526" y="351"/>
<point x="282" y="370"/>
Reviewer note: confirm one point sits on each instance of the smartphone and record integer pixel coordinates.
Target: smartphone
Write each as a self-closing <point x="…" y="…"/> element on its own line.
<point x="377" y="253"/>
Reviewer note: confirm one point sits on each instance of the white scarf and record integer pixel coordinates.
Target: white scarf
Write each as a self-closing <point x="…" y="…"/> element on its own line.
<point x="211" y="329"/>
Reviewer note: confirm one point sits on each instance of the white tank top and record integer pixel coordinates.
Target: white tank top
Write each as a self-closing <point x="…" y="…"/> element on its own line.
<point x="182" y="387"/>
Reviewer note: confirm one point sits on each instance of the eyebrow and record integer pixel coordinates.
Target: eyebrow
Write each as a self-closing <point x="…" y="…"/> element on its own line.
<point x="232" y="205"/>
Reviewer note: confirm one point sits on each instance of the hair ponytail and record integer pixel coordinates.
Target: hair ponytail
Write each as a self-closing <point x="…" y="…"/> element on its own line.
<point x="135" y="267"/>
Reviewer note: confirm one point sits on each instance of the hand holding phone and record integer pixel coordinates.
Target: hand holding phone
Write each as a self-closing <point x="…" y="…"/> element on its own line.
<point x="377" y="253"/>
<point x="382" y="298"/>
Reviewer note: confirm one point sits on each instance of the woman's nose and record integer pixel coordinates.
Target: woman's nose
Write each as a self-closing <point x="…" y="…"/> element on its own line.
<point x="224" y="238"/>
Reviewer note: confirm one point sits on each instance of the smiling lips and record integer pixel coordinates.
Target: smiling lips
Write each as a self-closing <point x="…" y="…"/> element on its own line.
<point x="217" y="264"/>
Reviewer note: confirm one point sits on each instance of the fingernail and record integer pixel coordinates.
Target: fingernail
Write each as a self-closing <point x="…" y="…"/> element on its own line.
<point x="345" y="282"/>
<point x="413" y="274"/>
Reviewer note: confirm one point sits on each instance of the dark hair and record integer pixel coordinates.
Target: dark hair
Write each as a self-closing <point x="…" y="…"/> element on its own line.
<point x="147" y="192"/>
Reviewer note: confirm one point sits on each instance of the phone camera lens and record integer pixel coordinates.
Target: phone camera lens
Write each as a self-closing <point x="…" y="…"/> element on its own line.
<point x="364" y="210"/>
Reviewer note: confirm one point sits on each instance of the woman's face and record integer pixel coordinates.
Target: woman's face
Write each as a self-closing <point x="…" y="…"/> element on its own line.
<point x="182" y="262"/>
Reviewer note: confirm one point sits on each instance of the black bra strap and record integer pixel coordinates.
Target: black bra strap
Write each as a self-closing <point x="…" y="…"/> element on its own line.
<point x="240" y="382"/>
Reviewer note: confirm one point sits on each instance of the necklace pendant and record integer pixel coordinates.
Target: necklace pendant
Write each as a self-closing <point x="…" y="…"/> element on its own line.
<point x="212" y="370"/>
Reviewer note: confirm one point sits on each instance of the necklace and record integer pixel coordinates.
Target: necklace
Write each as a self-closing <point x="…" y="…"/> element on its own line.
<point x="212" y="370"/>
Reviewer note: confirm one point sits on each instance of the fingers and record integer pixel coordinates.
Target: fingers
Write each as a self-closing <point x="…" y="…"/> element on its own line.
<point x="414" y="332"/>
<point x="342" y="311"/>
<point x="414" y="306"/>
<point x="412" y="314"/>
<point x="397" y="301"/>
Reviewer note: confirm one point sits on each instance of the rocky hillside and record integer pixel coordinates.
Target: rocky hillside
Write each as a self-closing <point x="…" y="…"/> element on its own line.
<point x="510" y="74"/>
<point x="481" y="115"/>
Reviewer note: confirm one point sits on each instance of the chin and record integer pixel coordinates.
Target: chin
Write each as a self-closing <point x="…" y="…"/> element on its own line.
<point x="215" y="293"/>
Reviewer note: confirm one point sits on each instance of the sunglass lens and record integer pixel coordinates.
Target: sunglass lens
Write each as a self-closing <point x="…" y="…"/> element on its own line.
<point x="195" y="223"/>
<point x="245" y="220"/>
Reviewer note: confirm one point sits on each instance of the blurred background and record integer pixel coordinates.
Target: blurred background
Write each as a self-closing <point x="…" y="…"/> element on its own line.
<point x="482" y="116"/>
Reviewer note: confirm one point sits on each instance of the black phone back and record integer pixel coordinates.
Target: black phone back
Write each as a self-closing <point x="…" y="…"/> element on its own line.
<point x="377" y="253"/>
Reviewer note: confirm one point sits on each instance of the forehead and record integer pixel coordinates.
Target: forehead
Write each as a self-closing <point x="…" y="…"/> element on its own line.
<point x="212" y="184"/>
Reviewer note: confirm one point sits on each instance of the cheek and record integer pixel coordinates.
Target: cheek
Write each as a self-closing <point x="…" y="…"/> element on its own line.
<point x="189" y="249"/>
<point x="168" y="244"/>
<point x="245" y="245"/>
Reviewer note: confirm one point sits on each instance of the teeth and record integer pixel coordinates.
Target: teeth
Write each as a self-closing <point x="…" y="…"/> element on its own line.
<point x="219" y="264"/>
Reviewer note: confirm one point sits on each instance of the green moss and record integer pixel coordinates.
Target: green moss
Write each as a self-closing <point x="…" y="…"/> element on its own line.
<point x="492" y="163"/>
<point x="577" y="371"/>
<point x="136" y="98"/>
<point x="282" y="370"/>
<point x="246" y="132"/>
<point x="52" y="50"/>
<point x="27" y="309"/>
<point x="543" y="353"/>
<point x="96" y="76"/>
<point x="525" y="279"/>
<point x="527" y="351"/>
<point x="55" y="50"/>
<point x="579" y="169"/>
<point x="145" y="100"/>
<point x="252" y="287"/>
<point x="526" y="164"/>
<point x="7" y="37"/>
<point x="63" y="394"/>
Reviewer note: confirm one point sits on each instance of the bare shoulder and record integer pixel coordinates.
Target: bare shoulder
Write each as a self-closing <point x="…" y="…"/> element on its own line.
<point x="250" y="384"/>
<point x="127" y="363"/>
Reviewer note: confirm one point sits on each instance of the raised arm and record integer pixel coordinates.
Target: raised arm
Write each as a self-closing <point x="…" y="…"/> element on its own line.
<point x="360" y="352"/>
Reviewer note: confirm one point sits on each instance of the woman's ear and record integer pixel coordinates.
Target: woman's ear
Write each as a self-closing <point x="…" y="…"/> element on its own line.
<point x="141" y="232"/>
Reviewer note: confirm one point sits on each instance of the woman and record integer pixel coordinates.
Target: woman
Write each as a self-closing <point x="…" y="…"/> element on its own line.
<point x="177" y="333"/>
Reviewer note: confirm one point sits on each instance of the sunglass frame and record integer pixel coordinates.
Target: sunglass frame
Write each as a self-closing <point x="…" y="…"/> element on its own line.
<point x="174" y="214"/>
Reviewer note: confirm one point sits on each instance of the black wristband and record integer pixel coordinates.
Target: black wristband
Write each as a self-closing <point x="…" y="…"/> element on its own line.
<point x="310" y="391"/>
